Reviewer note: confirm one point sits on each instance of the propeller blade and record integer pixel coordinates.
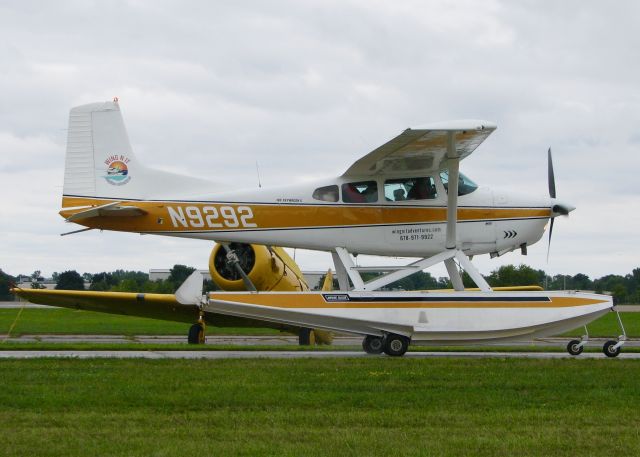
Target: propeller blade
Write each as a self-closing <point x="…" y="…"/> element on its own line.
<point x="233" y="259"/>
<point x="549" y="244"/>
<point x="245" y="279"/>
<point x="551" y="177"/>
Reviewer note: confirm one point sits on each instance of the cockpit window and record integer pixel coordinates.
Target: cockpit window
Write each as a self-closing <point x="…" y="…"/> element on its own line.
<point x="465" y="185"/>
<point x="403" y="189"/>
<point x="326" y="193"/>
<point x="360" y="192"/>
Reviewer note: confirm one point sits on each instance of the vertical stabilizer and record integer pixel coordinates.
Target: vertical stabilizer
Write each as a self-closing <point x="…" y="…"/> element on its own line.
<point x="100" y="162"/>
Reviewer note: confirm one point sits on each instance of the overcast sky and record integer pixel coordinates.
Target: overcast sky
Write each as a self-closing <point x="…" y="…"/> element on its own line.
<point x="305" y="88"/>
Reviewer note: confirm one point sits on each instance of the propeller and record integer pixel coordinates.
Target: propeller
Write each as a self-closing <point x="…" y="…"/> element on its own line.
<point x="234" y="261"/>
<point x="558" y="208"/>
<point x="552" y="194"/>
<point x="550" y="175"/>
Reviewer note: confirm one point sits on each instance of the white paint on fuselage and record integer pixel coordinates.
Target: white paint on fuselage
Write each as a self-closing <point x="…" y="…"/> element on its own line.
<point x="474" y="237"/>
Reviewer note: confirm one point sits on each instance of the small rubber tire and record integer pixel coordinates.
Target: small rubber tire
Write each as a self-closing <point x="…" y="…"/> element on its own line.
<point x="395" y="345"/>
<point x="304" y="336"/>
<point x="373" y="344"/>
<point x="574" y="348"/>
<point x="196" y="334"/>
<point x="609" y="350"/>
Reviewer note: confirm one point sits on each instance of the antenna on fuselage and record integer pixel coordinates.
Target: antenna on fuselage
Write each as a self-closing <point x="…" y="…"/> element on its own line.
<point x="258" y="173"/>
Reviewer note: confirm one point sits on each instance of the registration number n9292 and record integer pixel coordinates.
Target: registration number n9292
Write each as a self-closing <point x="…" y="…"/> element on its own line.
<point x="211" y="216"/>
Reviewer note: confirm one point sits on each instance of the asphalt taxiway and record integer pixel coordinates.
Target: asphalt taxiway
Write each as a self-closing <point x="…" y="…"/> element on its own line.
<point x="251" y="340"/>
<point x="291" y="355"/>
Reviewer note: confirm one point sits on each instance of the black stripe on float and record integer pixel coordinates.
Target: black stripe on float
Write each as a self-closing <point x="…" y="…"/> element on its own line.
<point x="339" y="298"/>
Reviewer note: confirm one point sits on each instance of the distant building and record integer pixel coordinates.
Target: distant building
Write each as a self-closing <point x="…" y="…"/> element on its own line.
<point x="25" y="282"/>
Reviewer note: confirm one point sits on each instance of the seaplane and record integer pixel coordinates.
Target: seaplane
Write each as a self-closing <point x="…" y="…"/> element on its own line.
<point x="406" y="198"/>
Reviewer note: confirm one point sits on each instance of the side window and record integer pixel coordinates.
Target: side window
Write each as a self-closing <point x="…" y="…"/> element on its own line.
<point x="360" y="192"/>
<point x="326" y="193"/>
<point x="403" y="189"/>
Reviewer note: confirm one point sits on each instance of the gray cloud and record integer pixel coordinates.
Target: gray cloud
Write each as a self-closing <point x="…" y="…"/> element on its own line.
<point x="305" y="88"/>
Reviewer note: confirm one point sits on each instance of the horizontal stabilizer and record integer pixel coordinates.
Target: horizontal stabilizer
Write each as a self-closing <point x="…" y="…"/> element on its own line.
<point x="115" y="209"/>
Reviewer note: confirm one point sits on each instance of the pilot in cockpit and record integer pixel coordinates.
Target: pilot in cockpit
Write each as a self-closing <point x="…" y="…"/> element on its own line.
<point x="399" y="195"/>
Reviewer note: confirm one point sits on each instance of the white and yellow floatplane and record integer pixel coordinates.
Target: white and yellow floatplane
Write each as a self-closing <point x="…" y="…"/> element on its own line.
<point x="405" y="198"/>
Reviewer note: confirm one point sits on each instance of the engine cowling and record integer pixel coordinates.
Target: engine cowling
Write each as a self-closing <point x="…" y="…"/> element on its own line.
<point x="267" y="268"/>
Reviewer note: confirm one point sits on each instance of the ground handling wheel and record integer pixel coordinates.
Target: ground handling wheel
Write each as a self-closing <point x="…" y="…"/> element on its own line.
<point x="610" y="350"/>
<point x="373" y="344"/>
<point x="574" y="347"/>
<point x="395" y="345"/>
<point x="306" y="337"/>
<point x="196" y="334"/>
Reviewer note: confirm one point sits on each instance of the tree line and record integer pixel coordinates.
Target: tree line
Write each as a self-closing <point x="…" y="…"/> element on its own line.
<point x="625" y="289"/>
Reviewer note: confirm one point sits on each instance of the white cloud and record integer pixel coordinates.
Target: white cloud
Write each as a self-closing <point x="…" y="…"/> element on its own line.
<point x="305" y="88"/>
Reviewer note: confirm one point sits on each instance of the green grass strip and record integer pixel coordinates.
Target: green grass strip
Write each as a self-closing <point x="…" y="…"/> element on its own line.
<point x="335" y="407"/>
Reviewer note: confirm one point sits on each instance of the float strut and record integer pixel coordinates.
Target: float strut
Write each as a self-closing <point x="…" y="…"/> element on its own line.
<point x="584" y="339"/>
<point x="622" y="338"/>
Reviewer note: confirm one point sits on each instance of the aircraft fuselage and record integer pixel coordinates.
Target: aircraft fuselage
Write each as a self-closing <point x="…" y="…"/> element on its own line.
<point x="489" y="221"/>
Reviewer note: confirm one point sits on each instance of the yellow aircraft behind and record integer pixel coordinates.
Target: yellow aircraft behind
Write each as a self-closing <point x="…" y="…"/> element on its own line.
<point x="267" y="269"/>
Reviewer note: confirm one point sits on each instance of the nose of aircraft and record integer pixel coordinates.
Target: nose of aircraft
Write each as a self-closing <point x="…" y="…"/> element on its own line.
<point x="560" y="208"/>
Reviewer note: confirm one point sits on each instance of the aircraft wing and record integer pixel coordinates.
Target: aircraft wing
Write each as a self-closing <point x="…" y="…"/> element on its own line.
<point x="422" y="149"/>
<point x="160" y="306"/>
<point x="155" y="306"/>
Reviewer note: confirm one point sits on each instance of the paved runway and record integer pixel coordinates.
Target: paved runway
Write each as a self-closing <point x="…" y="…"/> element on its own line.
<point x="291" y="355"/>
<point x="20" y="304"/>
<point x="214" y="340"/>
<point x="247" y="340"/>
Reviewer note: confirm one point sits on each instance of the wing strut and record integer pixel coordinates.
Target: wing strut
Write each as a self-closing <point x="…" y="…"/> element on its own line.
<point x="453" y="165"/>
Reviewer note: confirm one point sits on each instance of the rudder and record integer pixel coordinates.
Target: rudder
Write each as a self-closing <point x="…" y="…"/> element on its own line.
<point x="100" y="163"/>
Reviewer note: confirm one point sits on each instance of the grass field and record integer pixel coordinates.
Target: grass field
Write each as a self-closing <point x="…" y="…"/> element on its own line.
<point x="60" y="320"/>
<point x="335" y="407"/>
<point x="66" y="321"/>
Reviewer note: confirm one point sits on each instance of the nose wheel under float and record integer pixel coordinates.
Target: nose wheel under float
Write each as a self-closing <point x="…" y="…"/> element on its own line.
<point x="611" y="348"/>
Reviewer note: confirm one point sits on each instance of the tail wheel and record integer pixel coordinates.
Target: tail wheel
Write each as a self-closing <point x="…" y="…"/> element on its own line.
<point x="396" y="345"/>
<point x="574" y="347"/>
<point x="373" y="344"/>
<point x="196" y="334"/>
<point x="610" y="350"/>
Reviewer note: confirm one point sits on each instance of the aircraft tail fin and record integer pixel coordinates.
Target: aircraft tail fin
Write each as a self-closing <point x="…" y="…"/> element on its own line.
<point x="100" y="162"/>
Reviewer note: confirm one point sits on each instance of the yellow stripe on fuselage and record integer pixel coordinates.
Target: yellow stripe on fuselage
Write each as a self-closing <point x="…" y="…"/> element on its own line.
<point x="161" y="215"/>
<point x="311" y="301"/>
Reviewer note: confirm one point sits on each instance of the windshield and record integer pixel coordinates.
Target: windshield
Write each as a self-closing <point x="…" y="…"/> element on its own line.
<point x="465" y="185"/>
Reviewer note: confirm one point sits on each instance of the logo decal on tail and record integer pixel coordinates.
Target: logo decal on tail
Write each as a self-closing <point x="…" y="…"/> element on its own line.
<point x="117" y="173"/>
